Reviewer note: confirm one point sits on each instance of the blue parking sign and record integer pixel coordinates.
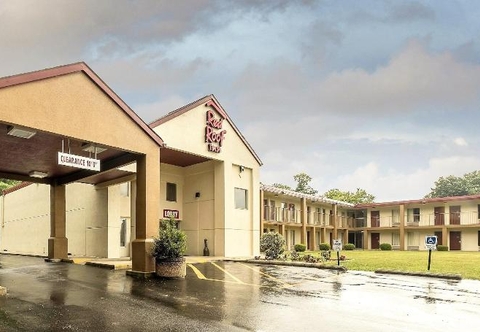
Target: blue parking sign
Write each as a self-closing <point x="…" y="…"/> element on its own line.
<point x="430" y="241"/>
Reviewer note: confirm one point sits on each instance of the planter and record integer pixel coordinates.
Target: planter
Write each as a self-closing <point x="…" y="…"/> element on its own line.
<point x="174" y="268"/>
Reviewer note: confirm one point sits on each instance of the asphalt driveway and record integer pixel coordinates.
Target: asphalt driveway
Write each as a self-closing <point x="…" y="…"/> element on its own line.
<point x="227" y="296"/>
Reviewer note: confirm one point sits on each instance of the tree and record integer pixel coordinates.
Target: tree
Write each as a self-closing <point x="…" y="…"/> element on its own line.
<point x="282" y="186"/>
<point x="303" y="186"/>
<point x="452" y="185"/>
<point x="358" y="197"/>
<point x="5" y="184"/>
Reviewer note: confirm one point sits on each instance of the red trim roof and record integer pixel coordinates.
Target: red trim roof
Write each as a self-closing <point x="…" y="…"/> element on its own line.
<point x="421" y="201"/>
<point x="208" y="101"/>
<point x="16" y="187"/>
<point x="81" y="67"/>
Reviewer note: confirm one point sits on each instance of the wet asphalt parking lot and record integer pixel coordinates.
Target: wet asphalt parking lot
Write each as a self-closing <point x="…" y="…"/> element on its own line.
<point x="228" y="296"/>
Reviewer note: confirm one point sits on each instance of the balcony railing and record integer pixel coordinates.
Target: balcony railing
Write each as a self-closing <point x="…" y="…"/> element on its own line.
<point x="278" y="214"/>
<point x="439" y="219"/>
<point x="319" y="219"/>
<point x="433" y="219"/>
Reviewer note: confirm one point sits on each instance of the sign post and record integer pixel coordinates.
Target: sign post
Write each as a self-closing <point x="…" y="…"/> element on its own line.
<point x="430" y="244"/>
<point x="337" y="246"/>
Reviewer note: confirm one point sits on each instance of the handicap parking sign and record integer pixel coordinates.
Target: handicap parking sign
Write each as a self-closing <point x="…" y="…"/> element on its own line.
<point x="430" y="241"/>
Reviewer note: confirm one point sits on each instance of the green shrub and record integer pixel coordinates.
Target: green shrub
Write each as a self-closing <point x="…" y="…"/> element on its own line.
<point x="272" y="244"/>
<point x="300" y="247"/>
<point x="171" y="242"/>
<point x="441" y="247"/>
<point x="385" y="246"/>
<point x="294" y="256"/>
<point x="324" y="246"/>
<point x="349" y="246"/>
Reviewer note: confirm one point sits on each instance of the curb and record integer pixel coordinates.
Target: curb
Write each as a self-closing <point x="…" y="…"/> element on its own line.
<point x="297" y="264"/>
<point x="109" y="266"/>
<point x="422" y="274"/>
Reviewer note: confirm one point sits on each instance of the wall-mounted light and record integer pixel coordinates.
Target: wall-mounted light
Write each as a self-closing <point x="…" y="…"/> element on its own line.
<point x="197" y="194"/>
<point x="242" y="169"/>
<point x="38" y="174"/>
<point x="20" y="132"/>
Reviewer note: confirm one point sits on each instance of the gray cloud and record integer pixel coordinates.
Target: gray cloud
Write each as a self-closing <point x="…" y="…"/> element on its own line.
<point x="406" y="12"/>
<point x="412" y="80"/>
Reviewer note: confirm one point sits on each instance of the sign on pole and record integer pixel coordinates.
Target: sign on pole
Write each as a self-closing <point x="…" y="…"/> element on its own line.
<point x="431" y="242"/>
<point x="337" y="245"/>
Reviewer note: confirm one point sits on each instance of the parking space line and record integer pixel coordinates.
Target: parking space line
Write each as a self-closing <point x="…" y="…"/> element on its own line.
<point x="197" y="272"/>
<point x="285" y="284"/>
<point x="227" y="273"/>
<point x="237" y="281"/>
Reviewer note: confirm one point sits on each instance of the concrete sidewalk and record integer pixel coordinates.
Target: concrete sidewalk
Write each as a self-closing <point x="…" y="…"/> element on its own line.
<point x="126" y="263"/>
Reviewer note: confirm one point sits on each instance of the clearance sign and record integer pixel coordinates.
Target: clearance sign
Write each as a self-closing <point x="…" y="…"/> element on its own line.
<point x="72" y="160"/>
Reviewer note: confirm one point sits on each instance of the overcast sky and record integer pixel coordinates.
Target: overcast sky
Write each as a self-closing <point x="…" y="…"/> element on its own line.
<point x="381" y="95"/>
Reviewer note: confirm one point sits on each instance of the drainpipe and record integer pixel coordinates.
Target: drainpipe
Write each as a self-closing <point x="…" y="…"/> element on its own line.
<point x="2" y="197"/>
<point x="3" y="209"/>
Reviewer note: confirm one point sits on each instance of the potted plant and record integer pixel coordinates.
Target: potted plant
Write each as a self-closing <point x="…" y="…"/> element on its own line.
<point x="168" y="250"/>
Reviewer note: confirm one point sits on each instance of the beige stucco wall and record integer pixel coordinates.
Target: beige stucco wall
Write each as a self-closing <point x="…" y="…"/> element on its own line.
<point x="26" y="225"/>
<point x="119" y="206"/>
<point x="26" y="230"/>
<point x="469" y="240"/>
<point x="87" y="220"/>
<point x="86" y="104"/>
<point x="199" y="213"/>
<point x="213" y="216"/>
<point x="171" y="174"/>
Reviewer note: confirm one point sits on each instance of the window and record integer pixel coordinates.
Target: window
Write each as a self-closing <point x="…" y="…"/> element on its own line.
<point x="413" y="215"/>
<point x="241" y="198"/>
<point x="123" y="233"/>
<point x="395" y="239"/>
<point x="171" y="192"/>
<point x="125" y="189"/>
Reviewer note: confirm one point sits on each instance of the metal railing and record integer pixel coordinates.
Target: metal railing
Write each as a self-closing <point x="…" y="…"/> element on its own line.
<point x="278" y="214"/>
<point x="432" y="219"/>
<point x="313" y="218"/>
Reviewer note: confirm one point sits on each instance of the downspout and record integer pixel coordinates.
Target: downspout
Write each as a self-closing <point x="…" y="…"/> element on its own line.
<point x="3" y="216"/>
<point x="3" y="210"/>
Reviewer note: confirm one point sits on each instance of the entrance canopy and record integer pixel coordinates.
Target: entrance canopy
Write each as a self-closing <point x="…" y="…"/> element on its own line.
<point x="69" y="109"/>
<point x="66" y="109"/>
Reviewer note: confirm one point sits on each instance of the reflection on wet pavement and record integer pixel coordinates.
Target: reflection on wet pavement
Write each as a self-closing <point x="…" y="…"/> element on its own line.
<point x="226" y="296"/>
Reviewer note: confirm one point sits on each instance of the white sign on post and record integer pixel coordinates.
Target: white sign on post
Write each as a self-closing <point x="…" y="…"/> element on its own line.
<point x="72" y="160"/>
<point x="337" y="245"/>
<point x="431" y="242"/>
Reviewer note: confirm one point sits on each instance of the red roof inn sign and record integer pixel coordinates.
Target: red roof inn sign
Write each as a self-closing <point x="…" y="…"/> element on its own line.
<point x="214" y="135"/>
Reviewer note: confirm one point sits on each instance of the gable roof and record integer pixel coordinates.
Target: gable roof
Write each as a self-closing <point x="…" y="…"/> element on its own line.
<point x="75" y="68"/>
<point x="209" y="100"/>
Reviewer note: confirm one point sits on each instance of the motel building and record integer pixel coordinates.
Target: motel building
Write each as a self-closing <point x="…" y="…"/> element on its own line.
<point x="313" y="219"/>
<point x="96" y="179"/>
